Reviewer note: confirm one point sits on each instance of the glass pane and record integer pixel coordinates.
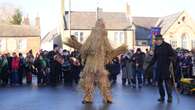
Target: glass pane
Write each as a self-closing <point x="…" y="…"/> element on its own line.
<point x="0" y="44"/>
<point x="20" y="44"/>
<point x="81" y="36"/>
<point x="76" y="34"/>
<point x="116" y="36"/>
<point x="121" y="37"/>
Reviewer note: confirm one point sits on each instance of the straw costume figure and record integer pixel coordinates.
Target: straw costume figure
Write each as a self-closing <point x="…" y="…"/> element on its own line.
<point x="95" y="53"/>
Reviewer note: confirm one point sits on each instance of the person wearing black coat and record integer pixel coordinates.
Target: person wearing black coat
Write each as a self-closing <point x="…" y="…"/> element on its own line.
<point x="114" y="70"/>
<point x="138" y="61"/>
<point x="55" y="67"/>
<point x="163" y="55"/>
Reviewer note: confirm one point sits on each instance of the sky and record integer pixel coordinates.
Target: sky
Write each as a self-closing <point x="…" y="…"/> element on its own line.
<point x="49" y="10"/>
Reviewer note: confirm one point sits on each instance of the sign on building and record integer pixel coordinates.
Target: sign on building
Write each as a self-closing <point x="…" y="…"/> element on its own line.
<point x="154" y="31"/>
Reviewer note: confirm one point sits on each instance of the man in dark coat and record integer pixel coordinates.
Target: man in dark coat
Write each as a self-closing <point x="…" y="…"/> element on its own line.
<point x="55" y="67"/>
<point x="163" y="55"/>
<point x="138" y="61"/>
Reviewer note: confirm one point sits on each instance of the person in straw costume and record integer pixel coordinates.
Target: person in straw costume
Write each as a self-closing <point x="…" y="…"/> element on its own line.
<point x="96" y="52"/>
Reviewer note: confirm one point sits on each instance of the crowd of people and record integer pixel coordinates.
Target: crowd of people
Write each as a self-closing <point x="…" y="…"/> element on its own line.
<point x="49" y="68"/>
<point x="134" y="66"/>
<point x="62" y="66"/>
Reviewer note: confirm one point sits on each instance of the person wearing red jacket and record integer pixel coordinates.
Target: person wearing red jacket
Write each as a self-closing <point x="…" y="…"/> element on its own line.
<point x="14" y="69"/>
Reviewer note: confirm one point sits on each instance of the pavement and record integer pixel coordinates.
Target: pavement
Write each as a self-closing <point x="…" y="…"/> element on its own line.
<point x="69" y="98"/>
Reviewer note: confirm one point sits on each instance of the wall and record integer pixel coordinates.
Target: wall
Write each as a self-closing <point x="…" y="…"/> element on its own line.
<point x="179" y="28"/>
<point x="115" y="44"/>
<point x="12" y="44"/>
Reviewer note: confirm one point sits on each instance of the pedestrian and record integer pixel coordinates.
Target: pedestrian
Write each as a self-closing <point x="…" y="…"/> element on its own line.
<point x="115" y="70"/>
<point x="56" y="61"/>
<point x="15" y="64"/>
<point x="21" y="70"/>
<point x="126" y="66"/>
<point x="41" y="65"/>
<point x="148" y="76"/>
<point x="138" y="61"/>
<point x="75" y="69"/>
<point x="163" y="55"/>
<point x="3" y="70"/>
<point x="29" y="67"/>
<point x="67" y="70"/>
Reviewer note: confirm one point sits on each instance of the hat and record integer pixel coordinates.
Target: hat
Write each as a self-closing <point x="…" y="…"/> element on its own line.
<point x="30" y="51"/>
<point x="159" y="37"/>
<point x="138" y="49"/>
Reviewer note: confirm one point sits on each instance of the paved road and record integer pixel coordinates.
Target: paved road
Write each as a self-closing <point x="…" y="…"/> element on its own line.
<point x="69" y="98"/>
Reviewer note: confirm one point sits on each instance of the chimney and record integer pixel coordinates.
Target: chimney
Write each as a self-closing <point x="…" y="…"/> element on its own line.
<point x="37" y="22"/>
<point x="99" y="12"/>
<point x="128" y="12"/>
<point x="26" y="20"/>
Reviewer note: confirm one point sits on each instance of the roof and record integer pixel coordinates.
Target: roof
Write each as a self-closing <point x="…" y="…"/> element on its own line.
<point x="167" y="21"/>
<point x="86" y="20"/>
<point x="50" y="35"/>
<point x="146" y="22"/>
<point x="7" y="30"/>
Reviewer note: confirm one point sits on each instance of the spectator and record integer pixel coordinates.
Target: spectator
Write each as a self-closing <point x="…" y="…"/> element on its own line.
<point x="15" y="64"/>
<point x="29" y="66"/>
<point x="41" y="65"/>
<point x="21" y="71"/>
<point x="126" y="66"/>
<point x="3" y="70"/>
<point x="148" y="75"/>
<point x="138" y="60"/>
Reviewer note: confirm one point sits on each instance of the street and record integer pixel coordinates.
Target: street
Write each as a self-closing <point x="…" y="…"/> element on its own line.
<point x="69" y="98"/>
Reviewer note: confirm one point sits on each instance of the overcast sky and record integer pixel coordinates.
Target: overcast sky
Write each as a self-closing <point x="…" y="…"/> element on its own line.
<point x="49" y="10"/>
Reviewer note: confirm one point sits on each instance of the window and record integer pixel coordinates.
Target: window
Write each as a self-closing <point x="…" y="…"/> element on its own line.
<point x="193" y="43"/>
<point x="76" y="35"/>
<point x="22" y="44"/>
<point x="119" y="37"/>
<point x="79" y="36"/>
<point x="2" y="44"/>
<point x="174" y="44"/>
<point x="142" y="43"/>
<point x="184" y="41"/>
<point x="116" y="36"/>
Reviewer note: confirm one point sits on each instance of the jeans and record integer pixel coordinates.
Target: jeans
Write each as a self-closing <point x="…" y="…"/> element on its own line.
<point x="14" y="77"/>
<point x="137" y="75"/>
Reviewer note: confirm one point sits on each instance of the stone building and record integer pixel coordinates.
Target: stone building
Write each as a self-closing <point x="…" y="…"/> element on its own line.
<point x="20" y="38"/>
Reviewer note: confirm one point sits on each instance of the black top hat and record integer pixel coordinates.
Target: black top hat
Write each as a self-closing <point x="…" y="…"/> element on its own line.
<point x="159" y="37"/>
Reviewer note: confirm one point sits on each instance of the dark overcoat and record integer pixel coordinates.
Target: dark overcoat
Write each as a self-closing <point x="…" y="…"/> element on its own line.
<point x="163" y="55"/>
